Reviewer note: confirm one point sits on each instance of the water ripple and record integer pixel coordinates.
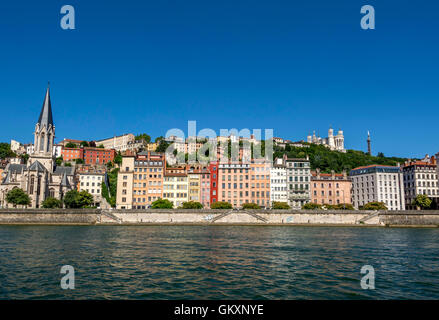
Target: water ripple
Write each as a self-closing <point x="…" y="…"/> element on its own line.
<point x="218" y="262"/>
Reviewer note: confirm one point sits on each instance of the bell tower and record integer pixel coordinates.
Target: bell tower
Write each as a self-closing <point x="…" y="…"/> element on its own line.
<point x="44" y="135"/>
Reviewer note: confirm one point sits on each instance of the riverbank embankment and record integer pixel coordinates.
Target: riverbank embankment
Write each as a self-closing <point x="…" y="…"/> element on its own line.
<point x="219" y="217"/>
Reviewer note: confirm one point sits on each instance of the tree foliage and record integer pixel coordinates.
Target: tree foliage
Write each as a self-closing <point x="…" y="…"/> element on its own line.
<point x="341" y="206"/>
<point x="17" y="196"/>
<point x="162" y="204"/>
<point x="280" y="205"/>
<point x="163" y="145"/>
<point x="51" y="203"/>
<point x="191" y="205"/>
<point x="374" y="206"/>
<point x="59" y="161"/>
<point x="144" y="136"/>
<point x="326" y="160"/>
<point x="75" y="199"/>
<point x="24" y="157"/>
<point x="5" y="151"/>
<point x="71" y="145"/>
<point x="422" y="201"/>
<point x="221" y="205"/>
<point x="118" y="158"/>
<point x="84" y="144"/>
<point x="112" y="186"/>
<point x="250" y="206"/>
<point x="312" y="206"/>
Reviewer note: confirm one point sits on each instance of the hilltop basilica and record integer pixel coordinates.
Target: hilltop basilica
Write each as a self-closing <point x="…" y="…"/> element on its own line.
<point x="332" y="142"/>
<point x="40" y="177"/>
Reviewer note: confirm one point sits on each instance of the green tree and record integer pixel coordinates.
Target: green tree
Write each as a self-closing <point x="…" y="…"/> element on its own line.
<point x="163" y="145"/>
<point x="59" y="161"/>
<point x="341" y="206"/>
<point x="327" y="160"/>
<point x="221" y="205"/>
<point x="422" y="201"/>
<point x="71" y="145"/>
<point x="79" y="161"/>
<point x="71" y="199"/>
<point x="280" y="206"/>
<point x="191" y="205"/>
<point x="250" y="206"/>
<point x="25" y="157"/>
<point x="109" y="191"/>
<point x="144" y="136"/>
<point x="374" y="206"/>
<point x="5" y="151"/>
<point x="118" y="158"/>
<point x="84" y="144"/>
<point x="67" y="164"/>
<point x="85" y="199"/>
<point x="162" y="204"/>
<point x="17" y="196"/>
<point x="312" y="206"/>
<point x="158" y="139"/>
<point x="101" y="146"/>
<point x="109" y="165"/>
<point x="75" y="199"/>
<point x="51" y="203"/>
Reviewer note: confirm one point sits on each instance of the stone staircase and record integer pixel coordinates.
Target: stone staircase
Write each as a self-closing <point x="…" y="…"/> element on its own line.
<point x="256" y="216"/>
<point x="222" y="215"/>
<point x="368" y="217"/>
<point x="113" y="218"/>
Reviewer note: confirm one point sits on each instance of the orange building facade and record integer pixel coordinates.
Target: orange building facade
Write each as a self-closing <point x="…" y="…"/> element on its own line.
<point x="332" y="188"/>
<point x="240" y="183"/>
<point x="148" y="175"/>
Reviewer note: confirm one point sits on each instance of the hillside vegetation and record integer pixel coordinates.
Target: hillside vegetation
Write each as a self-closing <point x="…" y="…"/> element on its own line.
<point x="327" y="160"/>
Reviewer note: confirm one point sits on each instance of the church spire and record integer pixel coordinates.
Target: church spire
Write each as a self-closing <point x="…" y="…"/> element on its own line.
<point x="45" y="118"/>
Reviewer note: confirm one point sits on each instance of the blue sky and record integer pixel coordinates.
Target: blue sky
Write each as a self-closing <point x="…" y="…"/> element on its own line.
<point x="293" y="66"/>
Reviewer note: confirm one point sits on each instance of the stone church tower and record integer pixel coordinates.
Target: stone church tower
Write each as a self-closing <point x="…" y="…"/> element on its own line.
<point x="44" y="135"/>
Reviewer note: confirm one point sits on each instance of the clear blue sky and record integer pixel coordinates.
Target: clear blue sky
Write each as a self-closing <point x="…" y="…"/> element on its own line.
<point x="294" y="66"/>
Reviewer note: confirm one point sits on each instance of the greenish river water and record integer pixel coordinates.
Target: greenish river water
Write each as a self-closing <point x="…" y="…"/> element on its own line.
<point x="218" y="262"/>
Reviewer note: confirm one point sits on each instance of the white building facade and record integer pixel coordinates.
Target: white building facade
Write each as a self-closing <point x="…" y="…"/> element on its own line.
<point x="421" y="178"/>
<point x="92" y="183"/>
<point x="378" y="184"/>
<point x="298" y="181"/>
<point x="278" y="182"/>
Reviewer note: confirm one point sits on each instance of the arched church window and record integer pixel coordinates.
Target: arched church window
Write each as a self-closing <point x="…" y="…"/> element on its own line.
<point x="52" y="193"/>
<point x="32" y="185"/>
<point x="39" y="185"/>
<point x="48" y="143"/>
<point x="42" y="142"/>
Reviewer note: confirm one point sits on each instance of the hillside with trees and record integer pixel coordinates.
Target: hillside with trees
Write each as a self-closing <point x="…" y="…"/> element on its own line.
<point x="327" y="160"/>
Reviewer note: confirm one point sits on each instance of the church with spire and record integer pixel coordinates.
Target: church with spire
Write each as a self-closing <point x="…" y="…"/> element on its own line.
<point x="40" y="177"/>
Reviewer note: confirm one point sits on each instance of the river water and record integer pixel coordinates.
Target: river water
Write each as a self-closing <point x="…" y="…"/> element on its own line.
<point x="218" y="262"/>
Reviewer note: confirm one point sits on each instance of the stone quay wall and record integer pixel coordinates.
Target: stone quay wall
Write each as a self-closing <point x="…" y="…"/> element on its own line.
<point x="219" y="217"/>
<point x="50" y="216"/>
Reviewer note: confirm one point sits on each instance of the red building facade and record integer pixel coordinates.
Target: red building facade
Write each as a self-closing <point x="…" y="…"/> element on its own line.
<point x="213" y="167"/>
<point x="88" y="154"/>
<point x="98" y="155"/>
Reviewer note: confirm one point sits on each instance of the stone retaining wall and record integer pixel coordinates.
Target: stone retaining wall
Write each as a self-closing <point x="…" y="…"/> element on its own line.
<point x="219" y="217"/>
<point x="49" y="216"/>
